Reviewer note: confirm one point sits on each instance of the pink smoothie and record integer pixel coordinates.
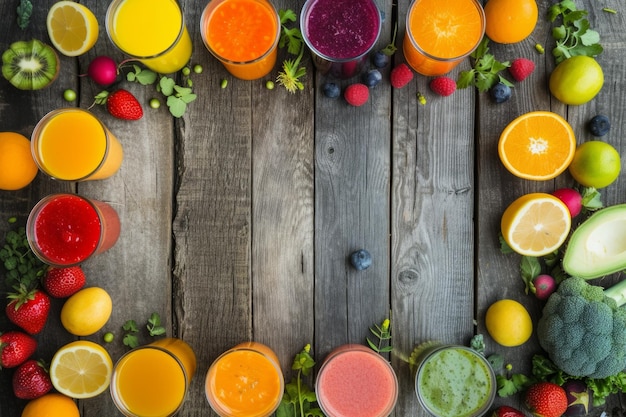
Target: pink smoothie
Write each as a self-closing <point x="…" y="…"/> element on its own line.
<point x="355" y="381"/>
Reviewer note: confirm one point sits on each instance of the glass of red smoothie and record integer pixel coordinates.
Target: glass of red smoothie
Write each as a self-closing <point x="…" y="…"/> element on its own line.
<point x="66" y="229"/>
<point x="355" y="381"/>
<point x="340" y="34"/>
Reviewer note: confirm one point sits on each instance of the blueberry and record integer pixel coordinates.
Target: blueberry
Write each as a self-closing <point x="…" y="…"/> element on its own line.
<point x="361" y="259"/>
<point x="380" y="59"/>
<point x="599" y="125"/>
<point x="500" y="92"/>
<point x="331" y="90"/>
<point x="372" y="77"/>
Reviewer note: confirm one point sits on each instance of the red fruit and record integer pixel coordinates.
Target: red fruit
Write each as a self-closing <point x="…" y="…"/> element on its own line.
<point x="63" y="282"/>
<point x="401" y="76"/>
<point x="546" y="399"/>
<point x="544" y="286"/>
<point x="521" y="68"/>
<point x="444" y="86"/>
<point x="124" y="105"/>
<point x="572" y="199"/>
<point x="15" y="348"/>
<point x="31" y="380"/>
<point x="29" y="310"/>
<point x="356" y="94"/>
<point x="506" y="411"/>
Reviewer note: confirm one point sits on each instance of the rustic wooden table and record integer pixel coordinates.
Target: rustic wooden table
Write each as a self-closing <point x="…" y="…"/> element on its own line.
<point x="238" y="218"/>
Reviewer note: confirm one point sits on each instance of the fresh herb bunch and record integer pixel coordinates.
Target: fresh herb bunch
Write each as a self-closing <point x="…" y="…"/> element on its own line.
<point x="291" y="72"/>
<point x="299" y="400"/>
<point x="383" y="334"/>
<point x="486" y="71"/>
<point x="574" y="36"/>
<point x="24" y="11"/>
<point x="22" y="267"/>
<point x="131" y="330"/>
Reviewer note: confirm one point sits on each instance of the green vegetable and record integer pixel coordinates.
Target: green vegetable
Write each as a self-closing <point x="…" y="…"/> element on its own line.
<point x="486" y="71"/>
<point x="299" y="399"/>
<point x="573" y="36"/>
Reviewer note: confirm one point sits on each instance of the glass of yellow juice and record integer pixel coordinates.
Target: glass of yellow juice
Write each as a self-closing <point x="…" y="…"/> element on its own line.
<point x="152" y="31"/>
<point x="152" y="380"/>
<point x="74" y="145"/>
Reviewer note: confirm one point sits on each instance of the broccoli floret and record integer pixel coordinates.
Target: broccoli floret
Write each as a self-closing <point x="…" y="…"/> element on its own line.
<point x="583" y="330"/>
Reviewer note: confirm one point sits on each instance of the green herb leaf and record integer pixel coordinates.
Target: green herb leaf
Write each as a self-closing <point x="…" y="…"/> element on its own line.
<point x="529" y="269"/>
<point x="573" y="36"/>
<point x="486" y="71"/>
<point x="154" y="325"/>
<point x="291" y="72"/>
<point x="298" y="398"/>
<point x="24" y="11"/>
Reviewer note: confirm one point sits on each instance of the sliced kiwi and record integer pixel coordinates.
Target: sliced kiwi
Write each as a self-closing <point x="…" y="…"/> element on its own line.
<point x="30" y="65"/>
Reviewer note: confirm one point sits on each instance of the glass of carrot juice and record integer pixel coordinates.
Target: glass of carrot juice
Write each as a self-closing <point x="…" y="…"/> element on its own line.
<point x="152" y="380"/>
<point x="152" y="31"/>
<point x="245" y="381"/>
<point x="243" y="35"/>
<point x="440" y="34"/>
<point x="74" y="145"/>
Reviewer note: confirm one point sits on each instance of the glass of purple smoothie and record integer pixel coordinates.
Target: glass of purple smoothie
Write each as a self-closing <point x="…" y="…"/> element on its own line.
<point x="340" y="34"/>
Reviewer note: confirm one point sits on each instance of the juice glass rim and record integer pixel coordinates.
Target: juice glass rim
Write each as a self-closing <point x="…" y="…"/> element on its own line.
<point x="40" y="126"/>
<point x="110" y="28"/>
<point x="117" y="398"/>
<point x="304" y="15"/>
<point x="204" y="26"/>
<point x="415" y="45"/>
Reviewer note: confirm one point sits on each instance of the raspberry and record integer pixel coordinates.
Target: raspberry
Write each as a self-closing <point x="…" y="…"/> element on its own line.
<point x="356" y="94"/>
<point x="401" y="76"/>
<point x="521" y="68"/>
<point x="444" y="86"/>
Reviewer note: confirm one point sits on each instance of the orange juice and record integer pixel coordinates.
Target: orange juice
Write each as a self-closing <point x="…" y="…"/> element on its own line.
<point x="72" y="144"/>
<point x="440" y="33"/>
<point x="243" y="35"/>
<point x="152" y="31"/>
<point x="245" y="381"/>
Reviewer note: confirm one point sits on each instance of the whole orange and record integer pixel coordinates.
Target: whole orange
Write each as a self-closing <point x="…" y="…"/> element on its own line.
<point x="51" y="405"/>
<point x="510" y="21"/>
<point x="17" y="166"/>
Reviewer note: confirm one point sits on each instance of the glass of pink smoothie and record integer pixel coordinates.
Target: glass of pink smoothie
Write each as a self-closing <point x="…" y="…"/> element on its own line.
<point x="355" y="381"/>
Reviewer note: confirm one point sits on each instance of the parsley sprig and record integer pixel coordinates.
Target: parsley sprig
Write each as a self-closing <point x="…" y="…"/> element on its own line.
<point x="486" y="71"/>
<point x="291" y="72"/>
<point x="574" y="36"/>
<point x="299" y="399"/>
<point x="21" y="267"/>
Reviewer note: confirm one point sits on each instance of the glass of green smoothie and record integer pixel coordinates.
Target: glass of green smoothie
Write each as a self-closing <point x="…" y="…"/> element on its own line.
<point x="454" y="381"/>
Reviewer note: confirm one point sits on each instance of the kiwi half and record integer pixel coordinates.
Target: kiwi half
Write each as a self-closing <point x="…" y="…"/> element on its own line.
<point x="30" y="65"/>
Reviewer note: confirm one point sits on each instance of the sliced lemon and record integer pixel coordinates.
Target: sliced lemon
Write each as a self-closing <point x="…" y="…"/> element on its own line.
<point x="72" y="27"/>
<point x="81" y="369"/>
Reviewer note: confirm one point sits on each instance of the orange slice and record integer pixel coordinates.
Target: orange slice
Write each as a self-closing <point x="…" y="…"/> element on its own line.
<point x="72" y="27"/>
<point x="537" y="145"/>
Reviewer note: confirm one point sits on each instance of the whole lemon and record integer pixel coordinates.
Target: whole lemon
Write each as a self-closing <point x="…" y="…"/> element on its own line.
<point x="596" y="164"/>
<point x="51" y="405"/>
<point x="576" y="80"/>
<point x="17" y="166"/>
<point x="87" y="311"/>
<point x="508" y="323"/>
<point x="510" y="21"/>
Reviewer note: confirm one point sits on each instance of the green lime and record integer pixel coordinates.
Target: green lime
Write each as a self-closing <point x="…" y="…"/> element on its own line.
<point x="576" y="80"/>
<point x="595" y="164"/>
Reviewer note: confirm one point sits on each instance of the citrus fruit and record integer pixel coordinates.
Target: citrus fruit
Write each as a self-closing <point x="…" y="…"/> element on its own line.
<point x="510" y="21"/>
<point x="81" y="369"/>
<point x="87" y="311"/>
<point x="17" y="166"/>
<point x="537" y="145"/>
<point x="51" y="405"/>
<point x="595" y="164"/>
<point x="72" y="27"/>
<point x="508" y="323"/>
<point x="536" y="224"/>
<point x="576" y="80"/>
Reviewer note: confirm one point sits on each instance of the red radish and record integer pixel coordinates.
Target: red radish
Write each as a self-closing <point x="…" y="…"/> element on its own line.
<point x="572" y="199"/>
<point x="544" y="286"/>
<point x="103" y="70"/>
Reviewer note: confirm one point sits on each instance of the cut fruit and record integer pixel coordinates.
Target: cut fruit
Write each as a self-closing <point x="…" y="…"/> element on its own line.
<point x="536" y="224"/>
<point x="30" y="65"/>
<point x="81" y="369"/>
<point x="72" y="27"/>
<point x="537" y="146"/>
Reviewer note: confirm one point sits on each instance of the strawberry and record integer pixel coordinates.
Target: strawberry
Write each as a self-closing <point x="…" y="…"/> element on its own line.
<point x="15" y="348"/>
<point x="521" y="68"/>
<point x="401" y="76"/>
<point x="444" y="86"/>
<point x="546" y="399"/>
<point x="63" y="282"/>
<point x="31" y="380"/>
<point x="506" y="411"/>
<point x="29" y="309"/>
<point x="123" y="105"/>
<point x="356" y="94"/>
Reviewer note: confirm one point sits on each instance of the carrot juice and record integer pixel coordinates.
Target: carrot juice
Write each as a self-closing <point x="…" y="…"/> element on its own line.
<point x="152" y="31"/>
<point x="245" y="381"/>
<point x="243" y="35"/>
<point x="440" y="33"/>
<point x="72" y="144"/>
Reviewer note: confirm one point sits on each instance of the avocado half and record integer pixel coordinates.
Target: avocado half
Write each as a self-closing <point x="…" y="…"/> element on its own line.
<point x="598" y="246"/>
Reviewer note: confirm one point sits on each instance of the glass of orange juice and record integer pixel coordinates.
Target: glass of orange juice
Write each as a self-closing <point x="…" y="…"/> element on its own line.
<point x="441" y="33"/>
<point x="245" y="381"/>
<point x="152" y="31"/>
<point x="152" y="380"/>
<point x="74" y="145"/>
<point x="243" y="35"/>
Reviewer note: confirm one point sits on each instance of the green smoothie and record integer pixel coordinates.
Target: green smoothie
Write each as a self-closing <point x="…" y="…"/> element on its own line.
<point x="455" y="381"/>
